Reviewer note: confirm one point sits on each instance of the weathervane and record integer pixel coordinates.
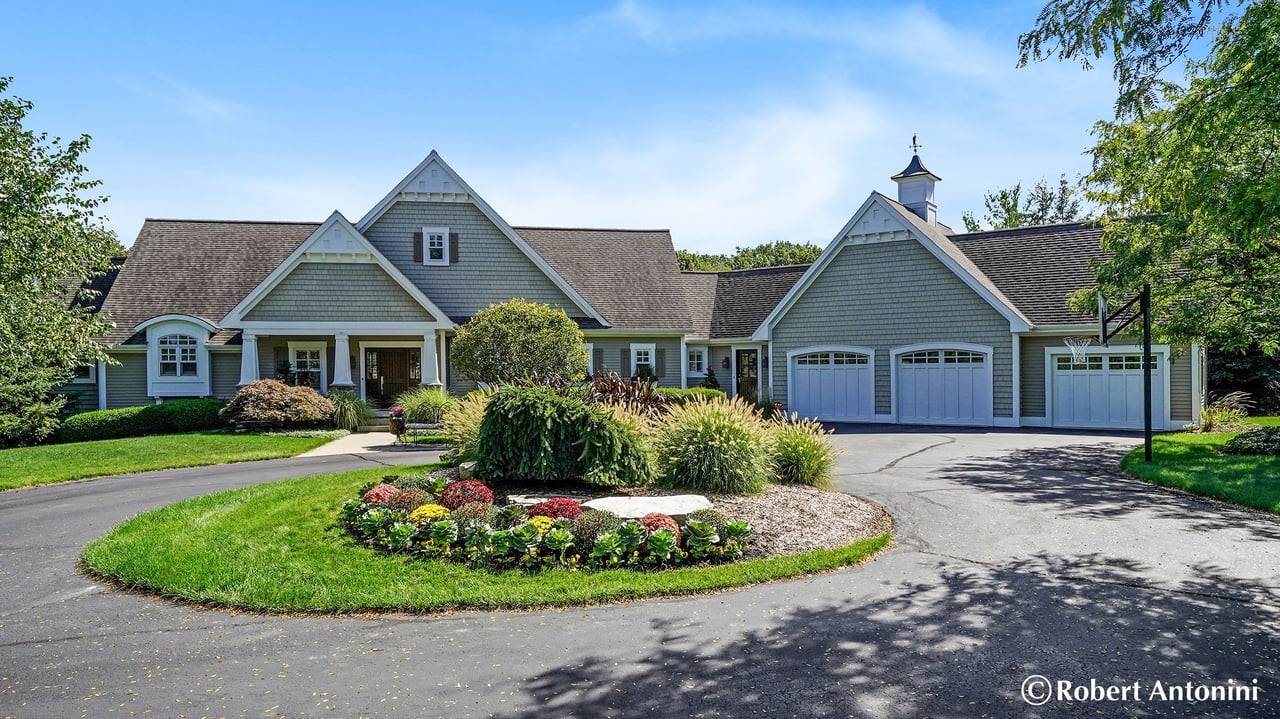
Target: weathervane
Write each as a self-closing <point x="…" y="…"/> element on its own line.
<point x="915" y="146"/>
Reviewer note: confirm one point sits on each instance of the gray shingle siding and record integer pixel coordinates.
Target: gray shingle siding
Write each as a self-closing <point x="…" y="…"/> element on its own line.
<point x="888" y="295"/>
<point x="339" y="292"/>
<point x="490" y="268"/>
<point x="617" y="352"/>
<point x="127" y="383"/>
<point x="225" y="366"/>
<point x="81" y="397"/>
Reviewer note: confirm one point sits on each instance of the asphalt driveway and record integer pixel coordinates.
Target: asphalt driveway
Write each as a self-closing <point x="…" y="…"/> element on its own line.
<point x="1018" y="554"/>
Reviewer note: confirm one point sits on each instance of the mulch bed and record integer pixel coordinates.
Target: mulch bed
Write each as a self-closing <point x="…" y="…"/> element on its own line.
<point x="787" y="518"/>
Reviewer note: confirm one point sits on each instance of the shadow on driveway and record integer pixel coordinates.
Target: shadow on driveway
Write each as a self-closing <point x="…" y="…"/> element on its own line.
<point x="957" y="647"/>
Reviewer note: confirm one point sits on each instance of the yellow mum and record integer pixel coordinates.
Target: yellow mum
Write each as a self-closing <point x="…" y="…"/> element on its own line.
<point x="542" y="523"/>
<point x="427" y="513"/>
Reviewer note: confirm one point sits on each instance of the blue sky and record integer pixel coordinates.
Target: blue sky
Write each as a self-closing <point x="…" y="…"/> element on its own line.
<point x="729" y="123"/>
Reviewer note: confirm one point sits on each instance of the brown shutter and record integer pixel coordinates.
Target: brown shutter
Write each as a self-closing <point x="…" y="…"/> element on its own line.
<point x="597" y="361"/>
<point x="417" y="247"/>
<point x="624" y="359"/>
<point x="659" y="362"/>
<point x="453" y="247"/>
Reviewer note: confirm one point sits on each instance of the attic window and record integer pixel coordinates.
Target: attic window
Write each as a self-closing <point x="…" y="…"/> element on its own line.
<point x="435" y="242"/>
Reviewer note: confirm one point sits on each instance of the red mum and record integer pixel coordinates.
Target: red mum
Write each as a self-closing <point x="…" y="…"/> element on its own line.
<point x="381" y="493"/>
<point x="657" y="520"/>
<point x="468" y="490"/>
<point x="556" y="508"/>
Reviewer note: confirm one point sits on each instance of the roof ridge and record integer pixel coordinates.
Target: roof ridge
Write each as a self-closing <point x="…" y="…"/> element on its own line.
<point x="1083" y="224"/>
<point x="746" y="269"/>
<point x="234" y="222"/>
<point x="586" y="229"/>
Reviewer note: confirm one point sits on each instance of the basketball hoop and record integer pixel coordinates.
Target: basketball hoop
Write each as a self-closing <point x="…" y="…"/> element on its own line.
<point x="1079" y="347"/>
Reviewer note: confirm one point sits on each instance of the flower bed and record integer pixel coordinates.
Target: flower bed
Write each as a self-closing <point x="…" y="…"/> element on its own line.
<point x="424" y="517"/>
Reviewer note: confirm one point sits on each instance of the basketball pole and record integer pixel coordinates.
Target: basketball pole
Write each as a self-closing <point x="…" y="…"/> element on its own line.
<point x="1144" y="310"/>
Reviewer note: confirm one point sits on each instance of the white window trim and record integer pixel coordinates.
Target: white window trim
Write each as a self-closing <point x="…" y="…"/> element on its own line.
<point x="705" y="358"/>
<point x="178" y="386"/>
<point x="427" y="232"/>
<point x="652" y="349"/>
<point x="324" y="360"/>
<point x="591" y="357"/>
<point x="90" y="378"/>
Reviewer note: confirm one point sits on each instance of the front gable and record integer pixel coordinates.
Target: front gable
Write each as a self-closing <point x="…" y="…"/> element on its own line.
<point x="486" y="261"/>
<point x="336" y="275"/>
<point x="878" y="222"/>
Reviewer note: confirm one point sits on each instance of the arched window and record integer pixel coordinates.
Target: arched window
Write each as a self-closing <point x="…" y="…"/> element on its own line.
<point x="177" y="356"/>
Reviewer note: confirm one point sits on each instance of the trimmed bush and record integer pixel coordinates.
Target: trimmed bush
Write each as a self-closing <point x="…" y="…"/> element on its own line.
<point x="675" y="395"/>
<point x="181" y="415"/>
<point x="407" y="500"/>
<point x="534" y="433"/>
<point x="1264" y="441"/>
<point x="461" y="425"/>
<point x="591" y="524"/>
<point x="273" y="402"/>
<point x="802" y="452"/>
<point x="349" y="411"/>
<point x="556" y="508"/>
<point x="721" y="447"/>
<point x="426" y="405"/>
<point x="517" y="341"/>
<point x="464" y="492"/>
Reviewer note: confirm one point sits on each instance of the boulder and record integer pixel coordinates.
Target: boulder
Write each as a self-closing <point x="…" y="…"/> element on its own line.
<point x="676" y="506"/>
<point x="467" y="470"/>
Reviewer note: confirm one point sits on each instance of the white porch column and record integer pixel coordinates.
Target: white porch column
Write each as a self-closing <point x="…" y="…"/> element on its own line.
<point x="102" y="385"/>
<point x="248" y="359"/>
<point x="430" y="370"/>
<point x="342" y="362"/>
<point x="443" y="359"/>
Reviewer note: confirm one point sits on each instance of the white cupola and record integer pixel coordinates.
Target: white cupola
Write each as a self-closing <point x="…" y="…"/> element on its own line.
<point x="915" y="189"/>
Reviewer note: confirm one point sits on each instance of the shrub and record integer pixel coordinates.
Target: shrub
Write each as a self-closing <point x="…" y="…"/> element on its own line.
<point x="428" y="513"/>
<point x="1226" y="412"/>
<point x="381" y="493"/>
<point x="710" y="381"/>
<point x="517" y="339"/>
<point x="720" y="446"/>
<point x="407" y="500"/>
<point x="181" y="415"/>
<point x="349" y="411"/>
<point x="1264" y="441"/>
<point x="473" y="513"/>
<point x="273" y="402"/>
<point x="461" y="425"/>
<point x="556" y="508"/>
<point x="591" y="524"/>
<point x="424" y="481"/>
<point x="427" y="405"/>
<point x="712" y="517"/>
<point x="609" y="387"/>
<point x="675" y="395"/>
<point x="534" y="433"/>
<point x="655" y="521"/>
<point x="468" y="490"/>
<point x="802" y="452"/>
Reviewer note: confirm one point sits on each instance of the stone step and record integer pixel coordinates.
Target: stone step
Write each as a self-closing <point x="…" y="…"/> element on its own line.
<point x="374" y="427"/>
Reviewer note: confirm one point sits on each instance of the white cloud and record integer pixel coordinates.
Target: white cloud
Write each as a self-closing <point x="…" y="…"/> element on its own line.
<point x="181" y="98"/>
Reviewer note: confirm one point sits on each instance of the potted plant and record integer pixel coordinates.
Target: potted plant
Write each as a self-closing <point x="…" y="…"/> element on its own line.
<point x="396" y="421"/>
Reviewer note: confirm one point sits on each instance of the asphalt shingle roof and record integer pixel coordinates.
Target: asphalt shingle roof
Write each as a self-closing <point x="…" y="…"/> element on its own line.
<point x="732" y="304"/>
<point x="201" y="268"/>
<point x="630" y="276"/>
<point x="1038" y="267"/>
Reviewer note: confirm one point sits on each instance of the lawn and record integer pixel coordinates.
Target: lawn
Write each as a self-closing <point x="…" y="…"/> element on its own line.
<point x="1188" y="461"/>
<point x="231" y="549"/>
<point x="30" y="466"/>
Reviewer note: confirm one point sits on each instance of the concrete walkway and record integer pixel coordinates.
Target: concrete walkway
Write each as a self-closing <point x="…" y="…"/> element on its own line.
<point x="362" y="443"/>
<point x="1018" y="554"/>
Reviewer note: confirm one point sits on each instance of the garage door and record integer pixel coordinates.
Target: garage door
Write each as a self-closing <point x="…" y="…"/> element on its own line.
<point x="944" y="387"/>
<point x="833" y="386"/>
<point x="1104" y="391"/>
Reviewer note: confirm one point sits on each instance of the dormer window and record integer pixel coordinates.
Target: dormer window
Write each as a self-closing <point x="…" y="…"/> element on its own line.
<point x="178" y="356"/>
<point x="435" y="241"/>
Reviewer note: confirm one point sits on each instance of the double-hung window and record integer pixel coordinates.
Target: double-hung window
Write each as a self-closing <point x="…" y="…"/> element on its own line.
<point x="177" y="356"/>
<point x="435" y="242"/>
<point x="306" y="367"/>
<point x="697" y="360"/>
<point x="644" y="360"/>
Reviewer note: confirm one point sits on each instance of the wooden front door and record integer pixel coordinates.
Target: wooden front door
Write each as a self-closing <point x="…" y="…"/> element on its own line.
<point x="747" y="375"/>
<point x="387" y="374"/>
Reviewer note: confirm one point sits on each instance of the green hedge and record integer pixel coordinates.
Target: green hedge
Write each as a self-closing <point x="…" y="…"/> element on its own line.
<point x="675" y="395"/>
<point x="533" y="433"/>
<point x="182" y="415"/>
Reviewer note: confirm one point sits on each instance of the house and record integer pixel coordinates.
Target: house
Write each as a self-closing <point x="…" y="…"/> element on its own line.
<point x="899" y="320"/>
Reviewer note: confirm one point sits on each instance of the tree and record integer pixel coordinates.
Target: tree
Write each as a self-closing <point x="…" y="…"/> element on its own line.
<point x="1186" y="174"/>
<point x="768" y="254"/>
<point x="49" y="237"/>
<point x="518" y="340"/>
<point x="1043" y="206"/>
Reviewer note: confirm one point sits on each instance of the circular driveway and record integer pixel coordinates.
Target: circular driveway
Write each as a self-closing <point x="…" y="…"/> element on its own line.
<point x="1017" y="554"/>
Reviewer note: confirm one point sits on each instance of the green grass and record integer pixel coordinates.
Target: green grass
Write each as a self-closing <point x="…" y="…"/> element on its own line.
<point x="280" y="548"/>
<point x="1264" y="421"/>
<point x="30" y="466"/>
<point x="427" y="438"/>
<point x="1189" y="462"/>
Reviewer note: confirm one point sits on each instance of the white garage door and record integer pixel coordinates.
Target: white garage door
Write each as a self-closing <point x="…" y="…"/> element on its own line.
<point x="944" y="387"/>
<point x="1104" y="391"/>
<point x="833" y="386"/>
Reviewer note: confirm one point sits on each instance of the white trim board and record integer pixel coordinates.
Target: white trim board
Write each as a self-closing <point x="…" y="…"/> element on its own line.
<point x="353" y="248"/>
<point x="438" y="189"/>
